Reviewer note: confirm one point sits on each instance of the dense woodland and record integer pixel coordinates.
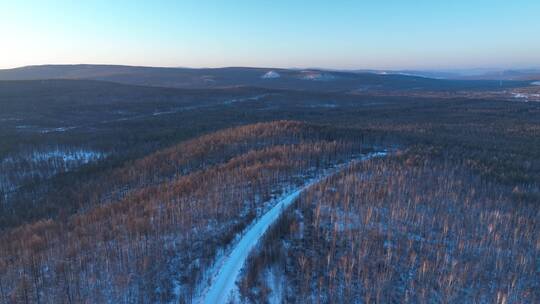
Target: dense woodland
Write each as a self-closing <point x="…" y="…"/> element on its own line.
<point x="401" y="229"/>
<point x="163" y="165"/>
<point x="168" y="229"/>
<point x="115" y="193"/>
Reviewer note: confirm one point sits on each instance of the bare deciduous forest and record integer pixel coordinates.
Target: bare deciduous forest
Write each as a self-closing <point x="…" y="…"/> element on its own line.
<point x="187" y="202"/>
<point x="402" y="229"/>
<point x="269" y="152"/>
<point x="121" y="193"/>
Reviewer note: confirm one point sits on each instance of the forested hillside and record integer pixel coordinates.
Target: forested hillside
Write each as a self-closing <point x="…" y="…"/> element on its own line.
<point x="317" y="152"/>
<point x="165" y="216"/>
<point x="113" y="193"/>
<point x="401" y="229"/>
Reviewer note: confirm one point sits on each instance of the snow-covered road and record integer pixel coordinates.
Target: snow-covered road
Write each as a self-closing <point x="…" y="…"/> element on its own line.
<point x="221" y="290"/>
<point x="224" y="283"/>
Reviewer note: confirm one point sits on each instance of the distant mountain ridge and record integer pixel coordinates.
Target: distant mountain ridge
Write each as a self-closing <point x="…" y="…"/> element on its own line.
<point x="306" y="79"/>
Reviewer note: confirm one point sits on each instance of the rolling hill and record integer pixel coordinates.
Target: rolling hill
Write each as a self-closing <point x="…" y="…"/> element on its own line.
<point x="124" y="193"/>
<point x="308" y="79"/>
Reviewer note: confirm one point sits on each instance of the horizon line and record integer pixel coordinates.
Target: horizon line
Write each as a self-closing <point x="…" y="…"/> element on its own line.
<point x="456" y="69"/>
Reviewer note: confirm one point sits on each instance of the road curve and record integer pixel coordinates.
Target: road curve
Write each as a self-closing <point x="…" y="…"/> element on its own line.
<point x="224" y="283"/>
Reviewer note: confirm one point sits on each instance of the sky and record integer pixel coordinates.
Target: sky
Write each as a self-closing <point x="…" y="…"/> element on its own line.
<point x="382" y="34"/>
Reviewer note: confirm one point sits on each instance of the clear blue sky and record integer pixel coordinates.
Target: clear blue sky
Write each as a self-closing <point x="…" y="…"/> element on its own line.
<point x="383" y="34"/>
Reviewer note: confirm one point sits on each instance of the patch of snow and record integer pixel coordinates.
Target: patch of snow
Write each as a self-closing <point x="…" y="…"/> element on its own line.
<point x="206" y="277"/>
<point x="69" y="158"/>
<point x="520" y="96"/>
<point x="324" y="105"/>
<point x="208" y="78"/>
<point x="414" y="75"/>
<point x="60" y="129"/>
<point x="536" y="83"/>
<point x="316" y="76"/>
<point x="388" y="244"/>
<point x="165" y="112"/>
<point x="271" y="75"/>
<point x="16" y="169"/>
<point x="252" y="98"/>
<point x="275" y="281"/>
<point x="83" y="156"/>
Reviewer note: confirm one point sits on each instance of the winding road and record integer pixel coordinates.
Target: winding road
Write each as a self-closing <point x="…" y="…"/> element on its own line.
<point x="223" y="285"/>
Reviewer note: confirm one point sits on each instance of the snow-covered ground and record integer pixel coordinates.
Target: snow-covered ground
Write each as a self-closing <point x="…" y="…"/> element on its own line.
<point x="16" y="169"/>
<point x="520" y="96"/>
<point x="271" y="75"/>
<point x="525" y="96"/>
<point x="80" y="155"/>
<point x="276" y="284"/>
<point x="223" y="286"/>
